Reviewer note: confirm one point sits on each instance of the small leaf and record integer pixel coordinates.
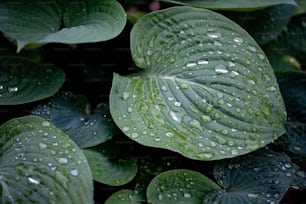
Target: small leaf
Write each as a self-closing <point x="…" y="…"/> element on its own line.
<point x="240" y="5"/>
<point x="107" y="167"/>
<point x="260" y="177"/>
<point x="206" y="90"/>
<point x="23" y="81"/>
<point x="40" y="164"/>
<point x="123" y="196"/>
<point x="38" y="22"/>
<point x="179" y="186"/>
<point x="84" y="129"/>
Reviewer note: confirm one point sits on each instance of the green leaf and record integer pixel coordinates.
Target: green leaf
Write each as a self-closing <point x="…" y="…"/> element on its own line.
<point x="206" y="90"/>
<point x="240" y="5"/>
<point x="84" y="129"/>
<point x="23" y="81"/>
<point x="179" y="186"/>
<point x="301" y="7"/>
<point x="40" y="164"/>
<point x="261" y="177"/>
<point x="293" y="89"/>
<point x="38" y="22"/>
<point x="266" y="24"/>
<point x="123" y="196"/>
<point x="108" y="167"/>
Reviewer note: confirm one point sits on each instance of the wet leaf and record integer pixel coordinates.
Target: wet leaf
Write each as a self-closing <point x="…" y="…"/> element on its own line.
<point x="123" y="196"/>
<point x="260" y="177"/>
<point x="23" y="81"/>
<point x="206" y="90"/>
<point x="108" y="166"/>
<point x="179" y="186"/>
<point x="40" y="164"/>
<point x="239" y="5"/>
<point x="32" y="23"/>
<point x="69" y="114"/>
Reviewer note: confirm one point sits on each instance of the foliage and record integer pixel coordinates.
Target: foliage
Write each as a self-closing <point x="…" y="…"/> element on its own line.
<point x="194" y="102"/>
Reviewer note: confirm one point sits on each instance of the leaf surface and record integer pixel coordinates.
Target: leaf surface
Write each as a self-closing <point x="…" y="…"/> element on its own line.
<point x="233" y="4"/>
<point x="206" y="90"/>
<point x="179" y="186"/>
<point x="260" y="177"/>
<point x="65" y="111"/>
<point x="23" y="81"/>
<point x="40" y="164"/>
<point x="38" y="22"/>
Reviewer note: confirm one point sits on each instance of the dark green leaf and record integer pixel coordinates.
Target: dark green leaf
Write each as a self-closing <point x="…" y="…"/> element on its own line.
<point x="123" y="196"/>
<point x="179" y="186"/>
<point x="294" y="92"/>
<point x="84" y="129"/>
<point x="38" y="22"/>
<point x="240" y="5"/>
<point x="260" y="177"/>
<point x="23" y="81"/>
<point x="40" y="164"/>
<point x="206" y="90"/>
<point x="265" y="25"/>
<point x="109" y="168"/>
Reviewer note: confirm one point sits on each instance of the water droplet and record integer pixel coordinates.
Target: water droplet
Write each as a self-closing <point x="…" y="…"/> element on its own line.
<point x="74" y="172"/>
<point x="214" y="35"/>
<point x="251" y="82"/>
<point x="130" y="109"/>
<point x="33" y="180"/>
<point x="62" y="160"/>
<point x="233" y="73"/>
<point x="231" y="64"/>
<point x="202" y="62"/>
<point x="125" y="129"/>
<point x="187" y="195"/>
<point x="1" y="87"/>
<point x="190" y="65"/>
<point x="261" y="56"/>
<point x="217" y="43"/>
<point x="251" y="48"/>
<point x="224" y="132"/>
<point x="125" y="95"/>
<point x="42" y="145"/>
<point x="45" y="123"/>
<point x="234" y="152"/>
<point x="221" y="69"/>
<point x="252" y="195"/>
<point x="184" y="86"/>
<point x="271" y="88"/>
<point x="160" y="197"/>
<point x="169" y="134"/>
<point x="177" y="103"/>
<point x="206" y="118"/>
<point x="196" y="124"/>
<point x="164" y="88"/>
<point x="175" y="116"/>
<point x="238" y="40"/>
<point x="135" y="135"/>
<point x="12" y="89"/>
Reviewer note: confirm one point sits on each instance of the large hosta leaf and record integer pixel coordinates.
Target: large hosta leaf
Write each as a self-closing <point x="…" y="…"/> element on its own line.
<point x="233" y="4"/>
<point x="261" y="177"/>
<point x="39" y="22"/>
<point x="85" y="129"/>
<point x="206" y="90"/>
<point x="40" y="164"/>
<point x="23" y="81"/>
<point x="179" y="186"/>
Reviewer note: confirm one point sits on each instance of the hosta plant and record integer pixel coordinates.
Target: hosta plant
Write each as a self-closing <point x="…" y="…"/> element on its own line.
<point x="106" y="101"/>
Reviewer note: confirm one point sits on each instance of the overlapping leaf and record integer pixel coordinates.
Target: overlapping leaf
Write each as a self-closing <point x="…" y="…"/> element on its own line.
<point x="84" y="129"/>
<point x="40" y="164"/>
<point x="260" y="177"/>
<point x="124" y="196"/>
<point x="23" y="81"/>
<point x="179" y="186"/>
<point x="233" y="4"/>
<point x="38" y="22"/>
<point x="206" y="90"/>
<point x="110" y="167"/>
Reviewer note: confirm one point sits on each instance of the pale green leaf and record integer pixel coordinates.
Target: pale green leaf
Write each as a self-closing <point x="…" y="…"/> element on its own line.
<point x="206" y="90"/>
<point x="23" y="81"/>
<point x="124" y="196"/>
<point x="40" y="164"/>
<point x="233" y="4"/>
<point x="179" y="186"/>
